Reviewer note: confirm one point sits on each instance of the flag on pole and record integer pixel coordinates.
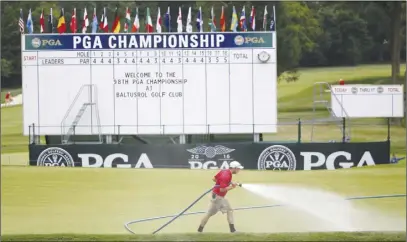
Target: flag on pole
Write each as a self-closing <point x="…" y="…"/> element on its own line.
<point x="265" y="18"/>
<point x="212" y="21"/>
<point x="116" y="23"/>
<point x="158" y="23"/>
<point x="61" y="27"/>
<point x="73" y="21"/>
<point x="30" y="26"/>
<point x="273" y="20"/>
<point x="94" y="21"/>
<point x="85" y="22"/>
<point x="127" y="21"/>
<point x="253" y="19"/>
<point x="42" y="22"/>
<point x="189" y="20"/>
<point x="234" y="22"/>
<point x="21" y="22"/>
<point x="222" y="21"/>
<point x="199" y="22"/>
<point x="167" y="20"/>
<point x="50" y="22"/>
<point x="136" y="23"/>
<point x="149" y="22"/>
<point x="104" y="25"/>
<point x="179" y="21"/>
<point x="243" y="26"/>
<point x="102" y="19"/>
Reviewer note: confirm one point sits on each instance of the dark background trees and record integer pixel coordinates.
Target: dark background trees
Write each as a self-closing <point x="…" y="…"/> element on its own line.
<point x="308" y="33"/>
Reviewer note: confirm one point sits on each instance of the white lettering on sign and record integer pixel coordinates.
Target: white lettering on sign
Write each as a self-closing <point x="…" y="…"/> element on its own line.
<point x="340" y="89"/>
<point x="87" y="42"/>
<point x="394" y="89"/>
<point x="329" y="161"/>
<point x="368" y="89"/>
<point x="121" y="160"/>
<point x="152" y="41"/>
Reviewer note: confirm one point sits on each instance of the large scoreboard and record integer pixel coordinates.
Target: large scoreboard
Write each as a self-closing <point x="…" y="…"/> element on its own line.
<point x="157" y="83"/>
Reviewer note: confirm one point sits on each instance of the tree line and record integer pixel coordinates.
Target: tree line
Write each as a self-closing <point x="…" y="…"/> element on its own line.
<point x="308" y="33"/>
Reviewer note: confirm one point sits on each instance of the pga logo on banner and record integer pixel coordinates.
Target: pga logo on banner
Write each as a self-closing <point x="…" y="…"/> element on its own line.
<point x="279" y="157"/>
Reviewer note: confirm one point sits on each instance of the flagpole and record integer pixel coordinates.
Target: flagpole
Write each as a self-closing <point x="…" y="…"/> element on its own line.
<point x="169" y="19"/>
<point x="52" y="21"/>
<point x="274" y="15"/>
<point x="275" y="47"/>
<point x="265" y="19"/>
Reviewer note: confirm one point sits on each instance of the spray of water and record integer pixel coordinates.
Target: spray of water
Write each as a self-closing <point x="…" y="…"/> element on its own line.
<point x="330" y="211"/>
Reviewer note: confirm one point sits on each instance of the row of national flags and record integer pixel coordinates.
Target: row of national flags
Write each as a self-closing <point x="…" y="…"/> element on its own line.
<point x="131" y="22"/>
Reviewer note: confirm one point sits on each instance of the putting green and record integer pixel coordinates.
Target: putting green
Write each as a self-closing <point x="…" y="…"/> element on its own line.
<point x="45" y="200"/>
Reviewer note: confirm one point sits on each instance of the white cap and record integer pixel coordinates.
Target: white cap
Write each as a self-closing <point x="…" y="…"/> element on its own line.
<point x="235" y="164"/>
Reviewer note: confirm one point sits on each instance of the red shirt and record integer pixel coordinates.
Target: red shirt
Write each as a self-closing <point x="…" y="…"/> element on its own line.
<point x="223" y="179"/>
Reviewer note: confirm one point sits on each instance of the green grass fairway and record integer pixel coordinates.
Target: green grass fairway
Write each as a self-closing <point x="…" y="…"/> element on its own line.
<point x="218" y="237"/>
<point x="55" y="200"/>
<point x="12" y="139"/>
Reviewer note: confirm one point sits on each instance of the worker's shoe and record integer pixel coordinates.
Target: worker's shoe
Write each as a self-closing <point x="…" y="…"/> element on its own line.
<point x="200" y="229"/>
<point x="232" y="228"/>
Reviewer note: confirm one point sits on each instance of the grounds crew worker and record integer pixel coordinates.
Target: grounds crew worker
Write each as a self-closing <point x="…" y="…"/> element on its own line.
<point x="218" y="202"/>
<point x="8" y="98"/>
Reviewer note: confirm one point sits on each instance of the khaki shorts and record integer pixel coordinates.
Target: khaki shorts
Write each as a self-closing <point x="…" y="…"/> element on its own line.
<point x="217" y="204"/>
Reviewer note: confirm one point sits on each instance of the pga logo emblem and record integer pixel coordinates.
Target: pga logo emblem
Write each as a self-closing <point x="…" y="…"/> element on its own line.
<point x="317" y="160"/>
<point x="200" y="155"/>
<point x="55" y="156"/>
<point x="277" y="157"/>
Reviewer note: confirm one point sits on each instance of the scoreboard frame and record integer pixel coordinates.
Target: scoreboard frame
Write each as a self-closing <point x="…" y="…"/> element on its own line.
<point x="249" y="40"/>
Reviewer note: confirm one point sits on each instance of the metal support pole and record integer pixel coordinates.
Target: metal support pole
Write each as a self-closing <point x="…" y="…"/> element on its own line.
<point x="118" y="134"/>
<point x="343" y="130"/>
<point x="108" y="139"/>
<point x="74" y="134"/>
<point x="37" y="139"/>
<point x="182" y="139"/>
<point x="388" y="129"/>
<point x="256" y="137"/>
<point x="299" y="130"/>
<point x="30" y="137"/>
<point x="33" y="136"/>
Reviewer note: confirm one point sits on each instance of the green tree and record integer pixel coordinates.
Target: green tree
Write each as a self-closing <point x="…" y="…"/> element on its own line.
<point x="297" y="31"/>
<point x="344" y="39"/>
<point x="387" y="25"/>
<point x="6" y="68"/>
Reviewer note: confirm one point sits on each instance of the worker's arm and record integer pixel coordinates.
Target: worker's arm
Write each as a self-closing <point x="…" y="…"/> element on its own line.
<point x="226" y="187"/>
<point x="234" y="183"/>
